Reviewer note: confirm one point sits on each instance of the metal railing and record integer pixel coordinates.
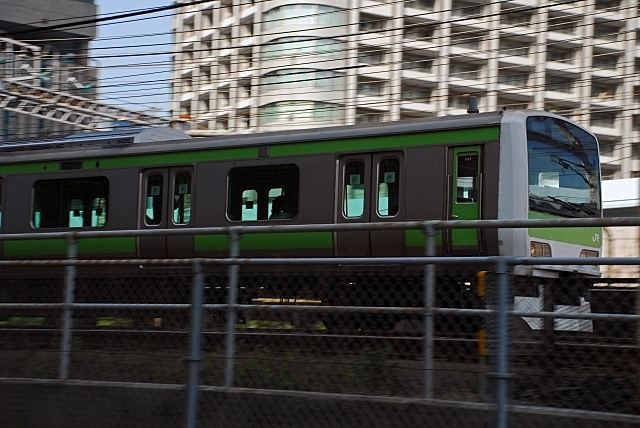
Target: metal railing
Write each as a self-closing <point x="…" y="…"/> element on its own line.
<point x="499" y="309"/>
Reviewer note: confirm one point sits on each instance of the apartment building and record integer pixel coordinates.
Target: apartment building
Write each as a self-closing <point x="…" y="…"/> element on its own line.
<point x="56" y="59"/>
<point x="243" y="66"/>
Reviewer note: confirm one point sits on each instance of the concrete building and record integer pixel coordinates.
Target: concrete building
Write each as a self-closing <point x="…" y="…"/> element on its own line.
<point x="56" y="59"/>
<point x="252" y="66"/>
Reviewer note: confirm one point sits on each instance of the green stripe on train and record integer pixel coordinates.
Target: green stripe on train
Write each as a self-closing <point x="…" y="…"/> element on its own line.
<point x="267" y="241"/>
<point x="301" y="148"/>
<point x="58" y="247"/>
<point x="417" y="238"/>
<point x="586" y="236"/>
<point x="387" y="141"/>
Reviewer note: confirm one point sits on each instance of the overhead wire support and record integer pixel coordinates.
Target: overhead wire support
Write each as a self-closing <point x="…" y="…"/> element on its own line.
<point x="61" y="107"/>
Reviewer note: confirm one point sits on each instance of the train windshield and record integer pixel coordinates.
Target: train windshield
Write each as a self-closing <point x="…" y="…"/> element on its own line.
<point x="564" y="172"/>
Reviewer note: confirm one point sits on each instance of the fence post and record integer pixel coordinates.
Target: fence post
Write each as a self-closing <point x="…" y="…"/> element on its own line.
<point x="429" y="302"/>
<point x="502" y="375"/>
<point x="67" y="314"/>
<point x="234" y="252"/>
<point x="195" y="334"/>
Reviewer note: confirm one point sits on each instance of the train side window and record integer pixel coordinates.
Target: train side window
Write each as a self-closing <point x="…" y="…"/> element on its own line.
<point x="153" y="207"/>
<point x="249" y="205"/>
<point x="263" y="192"/>
<point x="70" y="203"/>
<point x="353" y="199"/>
<point x="388" y="186"/>
<point x="182" y="198"/>
<point x="466" y="178"/>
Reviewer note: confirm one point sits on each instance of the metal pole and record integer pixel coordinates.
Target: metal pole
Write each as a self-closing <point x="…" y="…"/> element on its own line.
<point x="67" y="314"/>
<point x="234" y="251"/>
<point x="429" y="302"/>
<point x="195" y="332"/>
<point x="502" y="375"/>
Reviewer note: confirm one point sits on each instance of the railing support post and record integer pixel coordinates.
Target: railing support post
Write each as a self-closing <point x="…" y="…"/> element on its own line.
<point x="67" y="314"/>
<point x="502" y="374"/>
<point x="234" y="252"/>
<point x="195" y="335"/>
<point x="429" y="302"/>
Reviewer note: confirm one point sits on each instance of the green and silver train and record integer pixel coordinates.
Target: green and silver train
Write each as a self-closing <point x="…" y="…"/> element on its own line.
<point x="501" y="165"/>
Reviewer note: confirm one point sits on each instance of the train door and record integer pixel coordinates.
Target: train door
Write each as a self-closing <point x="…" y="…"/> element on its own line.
<point x="466" y="198"/>
<point x="166" y="203"/>
<point x="370" y="192"/>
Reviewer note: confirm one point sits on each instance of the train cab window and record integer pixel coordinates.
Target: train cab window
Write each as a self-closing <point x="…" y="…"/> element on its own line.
<point x="182" y="198"/>
<point x="388" y="186"/>
<point x="77" y="203"/>
<point x="263" y="193"/>
<point x="353" y="199"/>
<point x="466" y="178"/>
<point x="153" y="207"/>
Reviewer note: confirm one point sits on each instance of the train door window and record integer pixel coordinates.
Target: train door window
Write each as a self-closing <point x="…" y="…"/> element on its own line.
<point x="353" y="199"/>
<point x="99" y="212"/>
<point x="182" y="198"/>
<point x="466" y="178"/>
<point x="1" y="186"/>
<point x="70" y="203"/>
<point x="153" y="206"/>
<point x="388" y="187"/>
<point x="263" y="192"/>
<point x="249" y="205"/>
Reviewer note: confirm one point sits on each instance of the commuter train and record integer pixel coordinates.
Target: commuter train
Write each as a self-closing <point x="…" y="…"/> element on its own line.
<point x="501" y="165"/>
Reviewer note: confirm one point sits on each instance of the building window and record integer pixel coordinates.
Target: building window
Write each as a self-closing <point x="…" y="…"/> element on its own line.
<point x="416" y="62"/>
<point x="371" y="22"/>
<point x="563" y="24"/>
<point x="420" y="4"/>
<point x="606" y="62"/>
<point x="464" y="71"/>
<point x="513" y="48"/>
<point x="300" y="111"/>
<point x="607" y="32"/>
<point x="371" y="57"/>
<point x="303" y="14"/>
<point x="372" y="88"/>
<point x="464" y="8"/>
<point x="76" y="203"/>
<point x="367" y="117"/>
<point x="300" y="78"/>
<point x="566" y="56"/>
<point x="560" y="84"/>
<point x="302" y="46"/>
<point x="467" y="40"/>
<point x="604" y="119"/>
<point x="416" y="94"/>
<point x="603" y="91"/>
<point x="513" y="78"/>
<point x="263" y="193"/>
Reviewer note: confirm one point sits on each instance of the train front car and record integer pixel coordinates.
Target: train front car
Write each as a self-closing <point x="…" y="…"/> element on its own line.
<point x="555" y="174"/>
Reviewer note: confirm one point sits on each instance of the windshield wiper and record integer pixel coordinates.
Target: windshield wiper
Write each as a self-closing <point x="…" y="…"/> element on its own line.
<point x="565" y="204"/>
<point x="574" y="206"/>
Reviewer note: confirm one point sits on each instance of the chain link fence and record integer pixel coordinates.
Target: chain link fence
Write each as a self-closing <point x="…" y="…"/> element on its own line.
<point x="316" y="342"/>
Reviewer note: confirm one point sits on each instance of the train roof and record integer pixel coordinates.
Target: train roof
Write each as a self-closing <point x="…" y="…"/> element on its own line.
<point x="123" y="142"/>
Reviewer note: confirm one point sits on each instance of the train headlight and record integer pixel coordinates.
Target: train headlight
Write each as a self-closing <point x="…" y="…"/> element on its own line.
<point x="539" y="249"/>
<point x="589" y="253"/>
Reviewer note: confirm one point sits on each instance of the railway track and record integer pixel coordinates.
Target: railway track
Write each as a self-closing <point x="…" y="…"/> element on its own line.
<point x="579" y="350"/>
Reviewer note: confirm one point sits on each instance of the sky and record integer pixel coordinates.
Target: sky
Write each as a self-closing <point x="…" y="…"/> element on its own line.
<point x="128" y="77"/>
